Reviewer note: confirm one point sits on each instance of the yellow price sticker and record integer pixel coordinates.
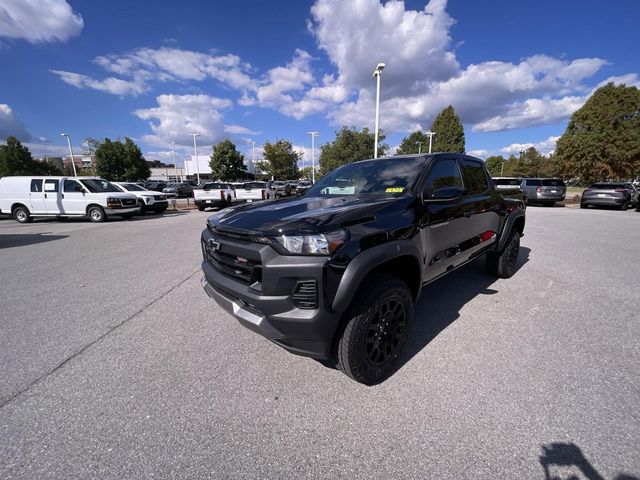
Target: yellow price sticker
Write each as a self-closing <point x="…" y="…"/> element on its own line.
<point x="394" y="190"/>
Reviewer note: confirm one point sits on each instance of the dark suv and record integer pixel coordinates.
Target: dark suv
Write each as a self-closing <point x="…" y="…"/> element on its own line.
<point x="335" y="274"/>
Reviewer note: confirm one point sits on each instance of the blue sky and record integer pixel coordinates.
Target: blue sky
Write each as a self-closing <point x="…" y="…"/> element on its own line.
<point x="156" y="71"/>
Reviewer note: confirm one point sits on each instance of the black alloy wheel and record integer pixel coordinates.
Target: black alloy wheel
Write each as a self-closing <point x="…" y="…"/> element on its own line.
<point x="386" y="332"/>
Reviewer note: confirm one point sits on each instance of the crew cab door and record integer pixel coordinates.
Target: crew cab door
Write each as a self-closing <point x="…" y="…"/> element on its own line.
<point x="481" y="207"/>
<point x="443" y="220"/>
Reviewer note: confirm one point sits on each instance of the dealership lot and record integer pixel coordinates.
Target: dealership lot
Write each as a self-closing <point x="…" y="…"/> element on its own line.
<point x="115" y="363"/>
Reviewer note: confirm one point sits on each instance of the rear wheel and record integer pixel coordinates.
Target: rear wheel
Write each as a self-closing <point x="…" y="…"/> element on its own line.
<point x="503" y="264"/>
<point x="201" y="208"/>
<point x="96" y="214"/>
<point x="22" y="215"/>
<point x="376" y="330"/>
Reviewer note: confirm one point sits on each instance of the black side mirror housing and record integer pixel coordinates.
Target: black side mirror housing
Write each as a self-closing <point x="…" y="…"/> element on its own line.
<point x="445" y="193"/>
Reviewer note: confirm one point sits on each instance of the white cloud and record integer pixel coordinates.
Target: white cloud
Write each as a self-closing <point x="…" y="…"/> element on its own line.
<point x="112" y="85"/>
<point x="240" y="130"/>
<point x="145" y="65"/>
<point x="177" y="116"/>
<point x="11" y="125"/>
<point x="39" y="20"/>
<point x="480" y="153"/>
<point x="545" y="147"/>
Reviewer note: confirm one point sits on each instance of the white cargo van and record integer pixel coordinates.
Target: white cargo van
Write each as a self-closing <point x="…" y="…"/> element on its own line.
<point x="94" y="197"/>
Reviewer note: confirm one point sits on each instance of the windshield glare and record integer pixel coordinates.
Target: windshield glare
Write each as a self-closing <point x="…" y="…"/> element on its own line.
<point x="95" y="185"/>
<point x="393" y="176"/>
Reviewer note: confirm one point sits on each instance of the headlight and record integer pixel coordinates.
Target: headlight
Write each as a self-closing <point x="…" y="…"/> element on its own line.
<point x="323" y="244"/>
<point x="149" y="199"/>
<point x="113" y="202"/>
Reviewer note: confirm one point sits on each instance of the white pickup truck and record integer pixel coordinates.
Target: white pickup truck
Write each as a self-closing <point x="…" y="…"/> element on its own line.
<point x="253" y="191"/>
<point x="214" y="194"/>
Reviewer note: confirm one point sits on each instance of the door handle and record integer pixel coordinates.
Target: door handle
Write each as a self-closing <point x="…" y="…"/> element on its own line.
<point x="62" y="195"/>
<point x="45" y="195"/>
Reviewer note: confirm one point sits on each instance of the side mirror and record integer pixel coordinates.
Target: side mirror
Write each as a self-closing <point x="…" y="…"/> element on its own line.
<point x="446" y="193"/>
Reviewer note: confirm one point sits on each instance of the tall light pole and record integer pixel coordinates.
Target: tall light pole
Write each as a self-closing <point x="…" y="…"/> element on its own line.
<point x="175" y="164"/>
<point x="195" y="150"/>
<point x="419" y="147"/>
<point x="253" y="157"/>
<point x="376" y="74"/>
<point x="313" y="155"/>
<point x="73" y="163"/>
<point x="431" y="134"/>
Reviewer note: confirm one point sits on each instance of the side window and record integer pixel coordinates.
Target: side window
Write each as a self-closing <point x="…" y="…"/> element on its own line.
<point x="51" y="185"/>
<point x="475" y="180"/>
<point x="445" y="173"/>
<point x="36" y="185"/>
<point x="70" y="185"/>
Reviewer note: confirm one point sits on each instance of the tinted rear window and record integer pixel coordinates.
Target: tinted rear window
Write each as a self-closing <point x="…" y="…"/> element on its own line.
<point x="533" y="183"/>
<point x="507" y="181"/>
<point x="552" y="182"/>
<point x="475" y="180"/>
<point x="606" y="186"/>
<point x="214" y="186"/>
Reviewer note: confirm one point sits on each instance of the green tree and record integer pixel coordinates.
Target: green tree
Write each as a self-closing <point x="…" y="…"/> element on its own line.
<point x="602" y="139"/>
<point x="119" y="161"/>
<point x="280" y="160"/>
<point x="494" y="165"/>
<point x="306" y="173"/>
<point x="416" y="142"/>
<point x="449" y="132"/>
<point x="226" y="162"/>
<point x="16" y="159"/>
<point x="349" y="146"/>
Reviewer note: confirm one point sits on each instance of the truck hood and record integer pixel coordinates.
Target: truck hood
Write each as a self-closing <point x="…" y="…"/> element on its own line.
<point x="303" y="215"/>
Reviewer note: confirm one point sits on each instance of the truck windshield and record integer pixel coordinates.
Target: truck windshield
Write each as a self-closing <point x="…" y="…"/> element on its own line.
<point x="391" y="177"/>
<point x="95" y="185"/>
<point x="132" y="187"/>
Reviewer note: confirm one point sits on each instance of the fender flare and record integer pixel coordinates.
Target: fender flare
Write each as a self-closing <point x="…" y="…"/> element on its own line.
<point x="508" y="226"/>
<point x="366" y="261"/>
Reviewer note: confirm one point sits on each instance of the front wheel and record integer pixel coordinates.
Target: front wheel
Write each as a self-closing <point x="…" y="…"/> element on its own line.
<point x="376" y="330"/>
<point x="625" y="205"/>
<point x="583" y="205"/>
<point x="96" y="214"/>
<point x="503" y="264"/>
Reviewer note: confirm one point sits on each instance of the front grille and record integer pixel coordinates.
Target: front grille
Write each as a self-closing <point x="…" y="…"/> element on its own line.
<point x="129" y="202"/>
<point x="239" y="268"/>
<point x="159" y="197"/>
<point x="305" y="295"/>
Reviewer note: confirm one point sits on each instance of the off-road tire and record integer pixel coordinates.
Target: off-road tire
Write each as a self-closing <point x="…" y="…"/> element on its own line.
<point x="22" y="215"/>
<point x="374" y="308"/>
<point x="503" y="264"/>
<point x="96" y="214"/>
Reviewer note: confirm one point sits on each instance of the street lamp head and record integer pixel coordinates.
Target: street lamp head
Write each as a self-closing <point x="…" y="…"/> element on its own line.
<point x="64" y="134"/>
<point x="378" y="69"/>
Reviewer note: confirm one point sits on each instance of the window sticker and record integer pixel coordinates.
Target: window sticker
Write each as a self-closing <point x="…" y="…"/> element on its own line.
<point x="394" y="190"/>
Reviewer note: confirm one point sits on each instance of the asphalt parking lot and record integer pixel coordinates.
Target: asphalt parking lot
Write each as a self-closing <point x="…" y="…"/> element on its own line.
<point x="115" y="364"/>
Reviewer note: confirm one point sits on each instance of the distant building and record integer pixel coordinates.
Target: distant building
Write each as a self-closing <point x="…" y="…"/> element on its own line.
<point x="202" y="165"/>
<point x="168" y="174"/>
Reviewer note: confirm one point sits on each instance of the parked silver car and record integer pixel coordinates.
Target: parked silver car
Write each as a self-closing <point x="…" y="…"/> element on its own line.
<point x="544" y="190"/>
<point x="621" y="195"/>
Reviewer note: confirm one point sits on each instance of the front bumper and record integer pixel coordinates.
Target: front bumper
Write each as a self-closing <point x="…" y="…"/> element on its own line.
<point x="121" y="211"/>
<point x="266" y="306"/>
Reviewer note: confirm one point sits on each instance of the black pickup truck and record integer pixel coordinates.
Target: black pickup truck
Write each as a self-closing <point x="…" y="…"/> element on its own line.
<point x="334" y="274"/>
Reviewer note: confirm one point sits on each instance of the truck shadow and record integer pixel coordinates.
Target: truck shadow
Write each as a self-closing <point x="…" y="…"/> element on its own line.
<point x="565" y="460"/>
<point x="440" y="302"/>
<point x="20" y="240"/>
